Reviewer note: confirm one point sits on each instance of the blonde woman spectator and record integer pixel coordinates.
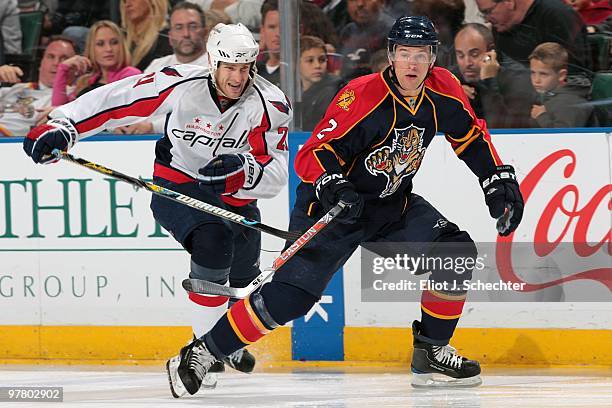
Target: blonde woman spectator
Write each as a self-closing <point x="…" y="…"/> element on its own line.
<point x="145" y="24"/>
<point x="106" y="60"/>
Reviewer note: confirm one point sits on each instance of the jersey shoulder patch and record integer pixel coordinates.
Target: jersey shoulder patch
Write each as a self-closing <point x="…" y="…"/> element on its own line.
<point x="360" y="95"/>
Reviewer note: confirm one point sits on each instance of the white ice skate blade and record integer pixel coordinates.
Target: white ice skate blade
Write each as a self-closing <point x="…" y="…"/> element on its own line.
<point x="209" y="381"/>
<point x="176" y="386"/>
<point x="434" y="380"/>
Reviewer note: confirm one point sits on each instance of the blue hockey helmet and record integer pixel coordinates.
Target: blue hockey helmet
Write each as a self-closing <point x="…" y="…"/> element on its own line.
<point x="413" y="31"/>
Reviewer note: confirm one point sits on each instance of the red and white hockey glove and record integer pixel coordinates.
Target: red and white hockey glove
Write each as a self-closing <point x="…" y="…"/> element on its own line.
<point x="43" y="139"/>
<point x="228" y="173"/>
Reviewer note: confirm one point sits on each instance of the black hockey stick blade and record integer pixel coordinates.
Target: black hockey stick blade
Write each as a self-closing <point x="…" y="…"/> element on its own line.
<point x="180" y="198"/>
<point x="211" y="288"/>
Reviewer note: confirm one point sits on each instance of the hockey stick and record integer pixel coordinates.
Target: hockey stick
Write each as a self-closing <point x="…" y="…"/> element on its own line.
<point x="178" y="197"/>
<point x="211" y="288"/>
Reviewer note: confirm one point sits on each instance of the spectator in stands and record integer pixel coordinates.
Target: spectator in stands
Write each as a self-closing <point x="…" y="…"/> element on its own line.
<point x="591" y="12"/>
<point x="145" y="24"/>
<point x="556" y="105"/>
<point x="520" y="25"/>
<point x="472" y="14"/>
<point x="188" y="34"/>
<point x="73" y="18"/>
<point x="336" y="12"/>
<point x="318" y="87"/>
<point x="214" y="17"/>
<point x="498" y="92"/>
<point x="398" y="8"/>
<point x="247" y="12"/>
<point x="269" y="40"/>
<point x="447" y="16"/>
<point x="366" y="33"/>
<point x="11" y="29"/>
<point x="312" y="22"/>
<point x="21" y="101"/>
<point x="106" y="59"/>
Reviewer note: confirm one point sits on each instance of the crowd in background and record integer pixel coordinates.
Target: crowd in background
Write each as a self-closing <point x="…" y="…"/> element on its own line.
<point x="522" y="63"/>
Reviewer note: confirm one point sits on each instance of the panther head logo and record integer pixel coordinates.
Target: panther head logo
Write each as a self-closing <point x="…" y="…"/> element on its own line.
<point x="400" y="160"/>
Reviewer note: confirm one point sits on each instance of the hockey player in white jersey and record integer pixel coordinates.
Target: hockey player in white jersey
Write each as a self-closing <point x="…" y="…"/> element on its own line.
<point x="224" y="143"/>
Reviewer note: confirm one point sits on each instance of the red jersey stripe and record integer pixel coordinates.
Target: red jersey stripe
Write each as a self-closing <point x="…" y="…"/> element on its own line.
<point x="140" y="108"/>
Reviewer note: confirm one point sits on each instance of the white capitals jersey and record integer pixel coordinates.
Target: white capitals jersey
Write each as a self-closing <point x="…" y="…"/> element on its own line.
<point x="196" y="130"/>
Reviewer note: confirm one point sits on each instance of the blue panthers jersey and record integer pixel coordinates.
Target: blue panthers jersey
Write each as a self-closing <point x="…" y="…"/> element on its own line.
<point x="378" y="139"/>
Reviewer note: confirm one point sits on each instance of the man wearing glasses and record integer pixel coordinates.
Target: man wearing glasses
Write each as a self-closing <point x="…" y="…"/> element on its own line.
<point x="187" y="35"/>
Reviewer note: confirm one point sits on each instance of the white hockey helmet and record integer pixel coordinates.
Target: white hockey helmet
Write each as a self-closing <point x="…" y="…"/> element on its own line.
<point x="232" y="43"/>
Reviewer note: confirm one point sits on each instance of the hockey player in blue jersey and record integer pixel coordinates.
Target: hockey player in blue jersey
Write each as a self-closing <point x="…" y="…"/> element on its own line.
<point x="365" y="152"/>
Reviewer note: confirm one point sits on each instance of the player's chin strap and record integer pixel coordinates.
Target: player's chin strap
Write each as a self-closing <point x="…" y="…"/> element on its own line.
<point x="211" y="288"/>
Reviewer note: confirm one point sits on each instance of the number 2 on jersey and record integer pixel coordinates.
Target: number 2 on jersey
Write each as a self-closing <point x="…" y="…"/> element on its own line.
<point x="332" y="125"/>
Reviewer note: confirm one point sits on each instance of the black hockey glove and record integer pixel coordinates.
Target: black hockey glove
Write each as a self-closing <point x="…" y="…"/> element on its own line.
<point x="503" y="198"/>
<point x="333" y="188"/>
<point x="228" y="173"/>
<point x="43" y="139"/>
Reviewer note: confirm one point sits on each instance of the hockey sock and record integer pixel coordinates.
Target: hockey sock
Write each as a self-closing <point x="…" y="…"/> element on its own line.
<point x="211" y="249"/>
<point x="440" y="314"/>
<point x="206" y="310"/>
<point x="252" y="318"/>
<point x="242" y="325"/>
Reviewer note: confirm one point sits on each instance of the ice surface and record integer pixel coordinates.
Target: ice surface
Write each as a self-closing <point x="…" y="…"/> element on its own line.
<point x="312" y="387"/>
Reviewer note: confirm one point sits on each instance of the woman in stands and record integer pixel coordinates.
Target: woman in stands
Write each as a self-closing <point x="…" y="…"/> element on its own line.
<point x="106" y="60"/>
<point x="144" y="21"/>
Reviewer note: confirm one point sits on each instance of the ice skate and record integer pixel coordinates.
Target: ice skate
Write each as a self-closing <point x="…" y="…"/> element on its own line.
<point x="241" y="360"/>
<point x="188" y="371"/>
<point x="441" y="366"/>
<point x="217" y="367"/>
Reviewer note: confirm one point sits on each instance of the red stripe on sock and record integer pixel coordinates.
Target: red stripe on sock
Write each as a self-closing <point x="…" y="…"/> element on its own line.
<point x="243" y="323"/>
<point x="210" y="301"/>
<point x="442" y="307"/>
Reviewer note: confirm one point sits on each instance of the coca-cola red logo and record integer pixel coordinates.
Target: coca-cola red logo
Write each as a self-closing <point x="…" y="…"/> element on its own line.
<point x="557" y="205"/>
